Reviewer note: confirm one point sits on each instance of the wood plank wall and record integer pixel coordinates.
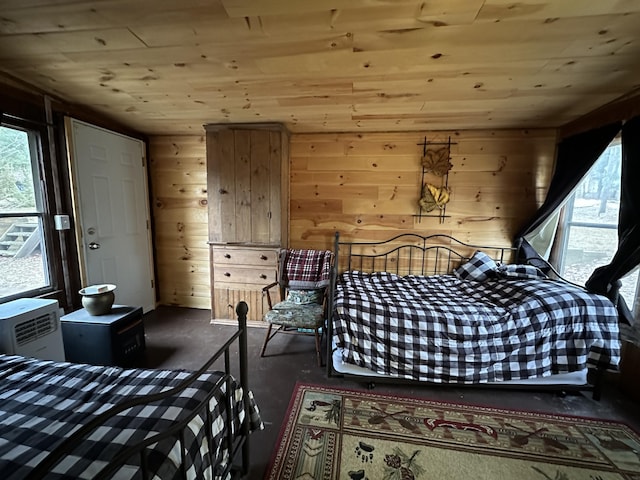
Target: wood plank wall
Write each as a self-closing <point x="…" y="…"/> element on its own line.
<point x="367" y="185"/>
<point x="178" y="172"/>
<point x="364" y="185"/>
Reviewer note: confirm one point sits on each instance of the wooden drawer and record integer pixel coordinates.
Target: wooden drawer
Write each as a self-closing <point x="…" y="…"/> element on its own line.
<point x="240" y="273"/>
<point x="259" y="276"/>
<point x="245" y="256"/>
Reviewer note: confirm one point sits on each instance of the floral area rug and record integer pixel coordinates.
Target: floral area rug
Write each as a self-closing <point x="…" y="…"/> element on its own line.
<point x="344" y="434"/>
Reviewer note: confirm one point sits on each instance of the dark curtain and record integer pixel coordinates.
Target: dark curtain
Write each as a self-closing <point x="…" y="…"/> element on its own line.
<point x="605" y="280"/>
<point x="575" y="156"/>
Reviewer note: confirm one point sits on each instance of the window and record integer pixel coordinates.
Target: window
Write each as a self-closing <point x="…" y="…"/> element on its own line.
<point x="589" y="236"/>
<point x="24" y="269"/>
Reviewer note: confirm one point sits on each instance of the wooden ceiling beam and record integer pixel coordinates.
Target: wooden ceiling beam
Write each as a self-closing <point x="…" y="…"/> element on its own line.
<point x="620" y="109"/>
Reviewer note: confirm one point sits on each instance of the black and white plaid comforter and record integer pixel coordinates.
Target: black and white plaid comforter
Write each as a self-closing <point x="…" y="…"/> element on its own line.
<point x="446" y="330"/>
<point x="42" y="402"/>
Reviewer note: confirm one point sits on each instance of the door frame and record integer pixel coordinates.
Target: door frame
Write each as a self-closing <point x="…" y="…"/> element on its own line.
<point x="77" y="207"/>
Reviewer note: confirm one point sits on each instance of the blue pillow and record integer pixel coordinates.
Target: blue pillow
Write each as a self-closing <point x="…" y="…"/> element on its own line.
<point x="479" y="267"/>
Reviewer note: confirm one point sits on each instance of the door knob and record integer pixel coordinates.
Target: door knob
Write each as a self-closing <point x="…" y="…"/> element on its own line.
<point x="94" y="246"/>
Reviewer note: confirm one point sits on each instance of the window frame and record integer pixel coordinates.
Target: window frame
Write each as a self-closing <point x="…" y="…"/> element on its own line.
<point x="36" y="136"/>
<point x="565" y="230"/>
<point x="566" y="222"/>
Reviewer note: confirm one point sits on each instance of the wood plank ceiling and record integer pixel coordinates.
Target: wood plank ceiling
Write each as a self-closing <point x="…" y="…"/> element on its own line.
<point x="168" y="67"/>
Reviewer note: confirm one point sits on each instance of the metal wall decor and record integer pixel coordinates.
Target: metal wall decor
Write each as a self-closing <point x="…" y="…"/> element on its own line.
<point x="434" y="184"/>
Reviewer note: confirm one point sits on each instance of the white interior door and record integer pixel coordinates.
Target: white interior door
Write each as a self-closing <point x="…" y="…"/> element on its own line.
<point x="112" y="212"/>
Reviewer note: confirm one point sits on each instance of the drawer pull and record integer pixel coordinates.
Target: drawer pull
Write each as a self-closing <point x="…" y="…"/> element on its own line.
<point x="226" y="255"/>
<point x="263" y="257"/>
<point x="263" y="276"/>
<point x="227" y="274"/>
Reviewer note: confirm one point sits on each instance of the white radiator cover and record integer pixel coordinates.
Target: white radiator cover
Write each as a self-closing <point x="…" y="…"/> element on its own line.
<point x="31" y="327"/>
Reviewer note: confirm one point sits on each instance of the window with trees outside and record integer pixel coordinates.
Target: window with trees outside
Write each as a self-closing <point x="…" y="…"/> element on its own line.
<point x="589" y="236"/>
<point x="24" y="269"/>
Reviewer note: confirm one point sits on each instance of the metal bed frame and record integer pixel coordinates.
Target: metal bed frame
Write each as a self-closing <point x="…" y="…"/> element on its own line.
<point x="237" y="446"/>
<point x="413" y="254"/>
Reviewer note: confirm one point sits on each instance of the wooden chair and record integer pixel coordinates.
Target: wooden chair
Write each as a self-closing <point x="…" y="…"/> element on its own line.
<point x="303" y="278"/>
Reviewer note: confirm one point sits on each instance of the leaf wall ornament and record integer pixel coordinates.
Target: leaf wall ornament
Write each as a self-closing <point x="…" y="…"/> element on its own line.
<point x="433" y="197"/>
<point x="436" y="161"/>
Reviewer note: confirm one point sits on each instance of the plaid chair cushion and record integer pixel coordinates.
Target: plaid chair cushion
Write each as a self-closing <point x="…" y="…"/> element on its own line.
<point x="479" y="267"/>
<point x="307" y="269"/>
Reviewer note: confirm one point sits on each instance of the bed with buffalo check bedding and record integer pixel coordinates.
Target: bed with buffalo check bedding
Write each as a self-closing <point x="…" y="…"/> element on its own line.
<point x="43" y="402"/>
<point x="484" y="322"/>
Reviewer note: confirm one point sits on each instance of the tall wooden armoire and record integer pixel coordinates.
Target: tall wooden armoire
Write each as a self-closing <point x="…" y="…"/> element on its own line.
<point x="248" y="198"/>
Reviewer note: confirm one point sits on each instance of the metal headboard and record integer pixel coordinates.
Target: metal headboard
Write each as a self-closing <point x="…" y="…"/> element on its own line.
<point x="412" y="254"/>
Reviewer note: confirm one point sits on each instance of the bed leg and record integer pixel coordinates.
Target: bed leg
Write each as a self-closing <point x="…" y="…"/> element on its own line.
<point x="241" y="310"/>
<point x="598" y="376"/>
<point x="371" y="385"/>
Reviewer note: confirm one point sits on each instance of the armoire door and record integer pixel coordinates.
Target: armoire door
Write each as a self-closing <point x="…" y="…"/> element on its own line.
<point x="247" y="178"/>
